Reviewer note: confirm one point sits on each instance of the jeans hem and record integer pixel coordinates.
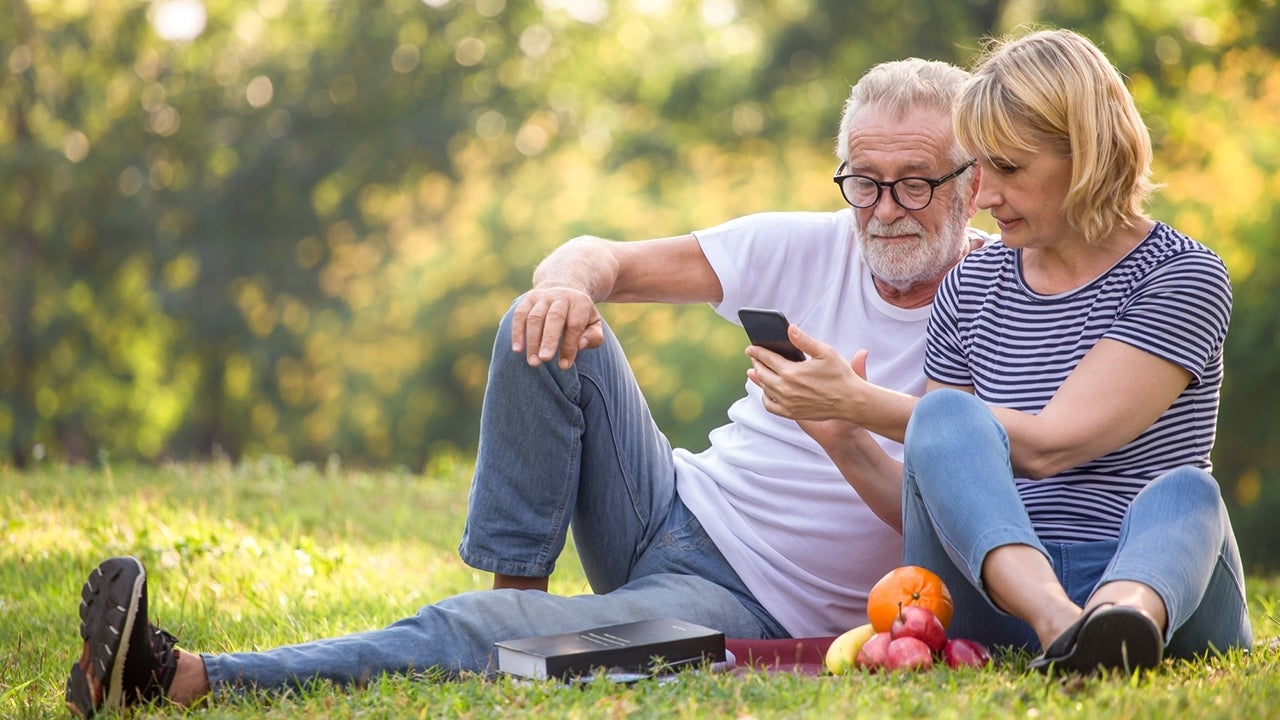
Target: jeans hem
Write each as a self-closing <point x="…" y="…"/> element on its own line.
<point x="219" y="686"/>
<point x="999" y="537"/>
<point x="498" y="566"/>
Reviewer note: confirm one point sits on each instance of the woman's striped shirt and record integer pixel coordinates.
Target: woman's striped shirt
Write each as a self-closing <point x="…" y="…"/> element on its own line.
<point x="1170" y="296"/>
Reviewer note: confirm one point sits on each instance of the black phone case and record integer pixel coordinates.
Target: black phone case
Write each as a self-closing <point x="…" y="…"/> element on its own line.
<point x="768" y="329"/>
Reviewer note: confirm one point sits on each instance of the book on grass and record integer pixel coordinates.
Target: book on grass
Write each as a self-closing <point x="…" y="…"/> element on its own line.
<point x="647" y="646"/>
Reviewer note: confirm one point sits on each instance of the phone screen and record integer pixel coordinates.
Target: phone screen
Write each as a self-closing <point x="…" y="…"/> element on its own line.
<point x="768" y="329"/>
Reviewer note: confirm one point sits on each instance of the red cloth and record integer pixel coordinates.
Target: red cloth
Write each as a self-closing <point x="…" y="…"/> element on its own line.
<point x="797" y="655"/>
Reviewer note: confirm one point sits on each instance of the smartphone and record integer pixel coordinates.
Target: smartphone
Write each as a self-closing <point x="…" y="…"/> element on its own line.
<point x="768" y="329"/>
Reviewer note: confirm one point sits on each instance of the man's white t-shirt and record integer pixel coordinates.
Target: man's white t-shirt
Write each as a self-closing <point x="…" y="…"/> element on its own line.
<point x="802" y="540"/>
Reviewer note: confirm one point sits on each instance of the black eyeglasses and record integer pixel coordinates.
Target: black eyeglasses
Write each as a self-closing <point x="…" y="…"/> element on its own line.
<point x="912" y="193"/>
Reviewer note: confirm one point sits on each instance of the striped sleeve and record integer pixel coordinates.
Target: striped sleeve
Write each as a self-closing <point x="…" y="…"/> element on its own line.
<point x="1179" y="312"/>
<point x="945" y="360"/>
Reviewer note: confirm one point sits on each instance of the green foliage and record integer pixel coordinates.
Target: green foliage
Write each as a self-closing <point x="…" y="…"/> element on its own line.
<point x="257" y="554"/>
<point x="294" y="232"/>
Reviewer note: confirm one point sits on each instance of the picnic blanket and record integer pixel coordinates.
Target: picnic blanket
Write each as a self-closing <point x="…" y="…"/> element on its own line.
<point x="805" y="656"/>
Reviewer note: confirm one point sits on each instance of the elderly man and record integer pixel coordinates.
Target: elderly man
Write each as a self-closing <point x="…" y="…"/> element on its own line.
<point x="759" y="536"/>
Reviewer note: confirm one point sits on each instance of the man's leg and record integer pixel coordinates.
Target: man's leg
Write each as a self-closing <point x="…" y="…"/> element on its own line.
<point x="681" y="574"/>
<point x="557" y="445"/>
<point x="457" y="634"/>
<point x="127" y="660"/>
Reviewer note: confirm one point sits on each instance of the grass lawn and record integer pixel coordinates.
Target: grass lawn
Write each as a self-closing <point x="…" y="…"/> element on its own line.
<point x="266" y="553"/>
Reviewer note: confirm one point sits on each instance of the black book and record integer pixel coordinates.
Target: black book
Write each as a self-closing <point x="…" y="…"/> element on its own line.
<point x="647" y="646"/>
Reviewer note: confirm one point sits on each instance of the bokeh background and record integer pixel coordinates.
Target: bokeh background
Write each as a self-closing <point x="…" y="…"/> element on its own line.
<point x="235" y="228"/>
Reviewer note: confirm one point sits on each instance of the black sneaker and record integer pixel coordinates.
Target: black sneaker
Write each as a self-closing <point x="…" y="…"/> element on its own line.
<point x="126" y="659"/>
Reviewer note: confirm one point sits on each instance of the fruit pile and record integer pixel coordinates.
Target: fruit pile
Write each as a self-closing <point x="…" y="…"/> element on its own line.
<point x="909" y="610"/>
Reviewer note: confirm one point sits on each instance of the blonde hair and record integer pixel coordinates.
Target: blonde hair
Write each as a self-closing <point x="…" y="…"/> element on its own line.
<point x="902" y="87"/>
<point x="1055" y="89"/>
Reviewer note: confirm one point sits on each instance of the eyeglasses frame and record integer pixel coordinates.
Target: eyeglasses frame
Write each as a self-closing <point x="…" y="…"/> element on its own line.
<point x="934" y="184"/>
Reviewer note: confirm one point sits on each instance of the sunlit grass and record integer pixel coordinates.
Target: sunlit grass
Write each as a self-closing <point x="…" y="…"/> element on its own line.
<point x="265" y="553"/>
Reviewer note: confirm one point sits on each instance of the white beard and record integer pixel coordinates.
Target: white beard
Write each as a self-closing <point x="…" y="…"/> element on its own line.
<point x="902" y="266"/>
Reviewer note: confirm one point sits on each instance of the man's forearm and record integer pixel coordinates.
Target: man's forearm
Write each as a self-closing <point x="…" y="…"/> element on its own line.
<point x="876" y="477"/>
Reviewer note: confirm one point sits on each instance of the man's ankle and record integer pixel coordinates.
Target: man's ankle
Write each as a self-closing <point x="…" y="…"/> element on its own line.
<point x="516" y="582"/>
<point x="190" y="682"/>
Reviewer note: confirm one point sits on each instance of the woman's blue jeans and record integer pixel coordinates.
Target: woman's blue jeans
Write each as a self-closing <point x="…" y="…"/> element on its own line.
<point x="960" y="503"/>
<point x="554" y="445"/>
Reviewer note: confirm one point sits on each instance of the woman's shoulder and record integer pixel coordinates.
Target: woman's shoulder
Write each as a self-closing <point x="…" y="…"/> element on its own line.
<point x="992" y="255"/>
<point x="1170" y="251"/>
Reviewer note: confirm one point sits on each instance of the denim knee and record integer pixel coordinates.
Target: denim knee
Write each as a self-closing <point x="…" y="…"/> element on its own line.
<point x="944" y="422"/>
<point x="1195" y="486"/>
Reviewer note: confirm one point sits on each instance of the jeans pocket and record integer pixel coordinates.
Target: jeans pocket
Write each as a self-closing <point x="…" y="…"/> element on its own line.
<point x="687" y="536"/>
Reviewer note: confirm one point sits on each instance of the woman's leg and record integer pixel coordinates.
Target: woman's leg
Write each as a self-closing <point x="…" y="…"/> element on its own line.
<point x="963" y="519"/>
<point x="1177" y="541"/>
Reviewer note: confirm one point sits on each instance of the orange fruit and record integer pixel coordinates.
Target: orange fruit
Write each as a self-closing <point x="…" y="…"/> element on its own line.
<point x="907" y="585"/>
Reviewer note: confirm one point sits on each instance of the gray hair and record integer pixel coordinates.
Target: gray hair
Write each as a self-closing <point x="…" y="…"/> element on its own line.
<point x="902" y="86"/>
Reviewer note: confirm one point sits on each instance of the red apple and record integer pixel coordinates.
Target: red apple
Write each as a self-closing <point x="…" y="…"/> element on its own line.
<point x="871" y="655"/>
<point x="960" y="652"/>
<point x="908" y="653"/>
<point x="919" y="623"/>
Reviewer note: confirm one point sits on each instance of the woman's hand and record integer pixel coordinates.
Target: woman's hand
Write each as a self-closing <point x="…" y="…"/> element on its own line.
<point x="812" y="389"/>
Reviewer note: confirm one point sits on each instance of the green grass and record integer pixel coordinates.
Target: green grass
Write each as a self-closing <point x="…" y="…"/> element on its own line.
<point x="264" y="553"/>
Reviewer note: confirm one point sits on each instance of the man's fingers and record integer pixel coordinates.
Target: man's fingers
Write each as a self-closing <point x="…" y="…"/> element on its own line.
<point x="576" y="321"/>
<point x="593" y="336"/>
<point x="555" y="322"/>
<point x="519" y="325"/>
<point x="764" y="377"/>
<point x="540" y="330"/>
<point x="534" y="322"/>
<point x="553" y="329"/>
<point x="760" y="358"/>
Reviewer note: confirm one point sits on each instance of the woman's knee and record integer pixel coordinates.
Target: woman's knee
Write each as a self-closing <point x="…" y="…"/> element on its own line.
<point x="1192" y="485"/>
<point x="945" y="406"/>
<point x="942" y="418"/>
<point x="1183" y="502"/>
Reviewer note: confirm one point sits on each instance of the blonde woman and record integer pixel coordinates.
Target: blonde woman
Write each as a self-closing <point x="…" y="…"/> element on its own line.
<point x="1057" y="471"/>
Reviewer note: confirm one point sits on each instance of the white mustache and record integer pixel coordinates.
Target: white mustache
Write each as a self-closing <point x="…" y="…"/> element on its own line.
<point x="905" y="226"/>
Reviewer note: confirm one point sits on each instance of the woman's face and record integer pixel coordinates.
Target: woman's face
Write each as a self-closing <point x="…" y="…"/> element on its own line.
<point x="1024" y="191"/>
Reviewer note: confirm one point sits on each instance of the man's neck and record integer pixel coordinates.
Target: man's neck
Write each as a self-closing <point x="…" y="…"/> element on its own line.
<point x="917" y="295"/>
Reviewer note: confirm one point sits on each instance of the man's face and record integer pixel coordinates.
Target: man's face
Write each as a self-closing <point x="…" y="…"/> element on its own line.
<point x="903" y="247"/>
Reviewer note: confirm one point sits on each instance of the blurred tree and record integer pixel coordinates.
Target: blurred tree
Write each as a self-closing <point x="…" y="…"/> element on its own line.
<point x="290" y="227"/>
<point x="87" y="352"/>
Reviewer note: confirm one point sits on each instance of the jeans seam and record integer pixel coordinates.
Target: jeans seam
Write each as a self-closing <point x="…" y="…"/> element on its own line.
<point x="624" y="470"/>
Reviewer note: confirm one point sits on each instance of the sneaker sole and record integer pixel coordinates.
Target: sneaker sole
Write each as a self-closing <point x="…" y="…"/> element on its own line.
<point x="108" y="609"/>
<point x="1118" y="638"/>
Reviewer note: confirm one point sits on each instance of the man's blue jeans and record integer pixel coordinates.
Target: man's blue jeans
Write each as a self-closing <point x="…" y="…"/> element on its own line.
<point x="554" y="445"/>
<point x="960" y="503"/>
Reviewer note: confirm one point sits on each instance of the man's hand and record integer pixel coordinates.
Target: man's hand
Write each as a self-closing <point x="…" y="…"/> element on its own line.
<point x="551" y="321"/>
